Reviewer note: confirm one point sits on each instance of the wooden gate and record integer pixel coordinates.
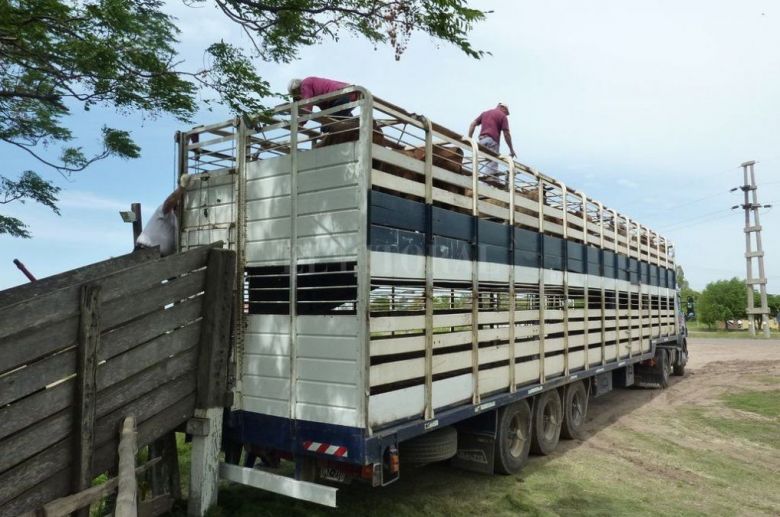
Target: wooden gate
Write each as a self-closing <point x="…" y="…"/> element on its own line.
<point x="135" y="335"/>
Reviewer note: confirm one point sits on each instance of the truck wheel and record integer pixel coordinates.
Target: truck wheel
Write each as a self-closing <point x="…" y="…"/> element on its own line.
<point x="548" y="416"/>
<point x="513" y="440"/>
<point x="678" y="368"/>
<point x="662" y="367"/>
<point x="431" y="447"/>
<point x="575" y="407"/>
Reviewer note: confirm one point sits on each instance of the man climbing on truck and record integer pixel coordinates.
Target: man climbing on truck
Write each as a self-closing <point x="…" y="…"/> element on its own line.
<point x="492" y="123"/>
<point x="315" y="86"/>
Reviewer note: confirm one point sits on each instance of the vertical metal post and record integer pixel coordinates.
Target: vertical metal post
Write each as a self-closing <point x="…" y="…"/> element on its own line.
<point x="748" y="186"/>
<point x="564" y="196"/>
<point x="475" y="270"/>
<point x="428" y="268"/>
<point x="138" y="224"/>
<point x="586" y="286"/>
<point x="364" y="255"/>
<point x="293" y="295"/>
<point x="510" y="186"/>
<point x="542" y="300"/>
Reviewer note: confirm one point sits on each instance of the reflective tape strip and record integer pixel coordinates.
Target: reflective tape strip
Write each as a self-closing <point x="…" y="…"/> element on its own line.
<point x="326" y="448"/>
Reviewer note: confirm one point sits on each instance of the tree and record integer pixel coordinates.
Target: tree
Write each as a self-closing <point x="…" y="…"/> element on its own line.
<point x="57" y="56"/>
<point x="722" y="301"/>
<point x="686" y="292"/>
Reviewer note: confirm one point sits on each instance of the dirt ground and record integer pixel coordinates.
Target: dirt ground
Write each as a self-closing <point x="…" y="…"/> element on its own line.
<point x="707" y="445"/>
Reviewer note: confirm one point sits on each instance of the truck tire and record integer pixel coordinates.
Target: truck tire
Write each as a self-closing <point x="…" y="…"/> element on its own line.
<point x="575" y="408"/>
<point x="431" y="447"/>
<point x="662" y="367"/>
<point x="548" y="416"/>
<point x="678" y="369"/>
<point x="513" y="440"/>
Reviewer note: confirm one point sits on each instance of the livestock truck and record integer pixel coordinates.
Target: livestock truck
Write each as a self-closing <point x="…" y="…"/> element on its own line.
<point x="406" y="296"/>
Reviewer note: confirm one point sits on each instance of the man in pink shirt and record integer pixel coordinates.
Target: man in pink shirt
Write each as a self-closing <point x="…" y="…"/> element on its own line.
<point x="316" y="86"/>
<point x="492" y="123"/>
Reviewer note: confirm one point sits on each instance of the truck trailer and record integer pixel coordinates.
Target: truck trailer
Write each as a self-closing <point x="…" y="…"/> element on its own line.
<point x="406" y="296"/>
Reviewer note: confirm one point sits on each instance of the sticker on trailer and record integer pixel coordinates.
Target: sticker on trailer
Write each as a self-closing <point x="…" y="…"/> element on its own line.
<point x="431" y="424"/>
<point x="326" y="448"/>
<point x="483" y="407"/>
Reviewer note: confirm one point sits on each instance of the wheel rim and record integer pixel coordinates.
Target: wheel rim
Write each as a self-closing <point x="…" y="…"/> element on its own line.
<point x="577" y="409"/>
<point x="550" y="422"/>
<point x="516" y="437"/>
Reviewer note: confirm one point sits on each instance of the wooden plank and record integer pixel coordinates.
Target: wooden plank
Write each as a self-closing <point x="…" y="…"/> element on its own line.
<point x="63" y="303"/>
<point x="155" y="506"/>
<point x="145" y="407"/>
<point x="65" y="505"/>
<point x="122" y="310"/>
<point x="163" y="413"/>
<point x="56" y="428"/>
<point x="75" y="276"/>
<point x="165" y="478"/>
<point x="215" y="329"/>
<point x="163" y="422"/>
<point x="22" y="348"/>
<point x="47" y="432"/>
<point x="42" y="404"/>
<point x="147" y="355"/>
<point x="88" y="341"/>
<point x="37" y="342"/>
<point x="127" y="488"/>
<point x="38" y="375"/>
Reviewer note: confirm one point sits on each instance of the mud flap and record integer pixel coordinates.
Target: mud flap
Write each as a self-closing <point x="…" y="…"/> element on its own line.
<point x="476" y="452"/>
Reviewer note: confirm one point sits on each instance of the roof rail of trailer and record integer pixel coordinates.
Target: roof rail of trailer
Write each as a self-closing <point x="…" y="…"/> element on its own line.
<point x="213" y="149"/>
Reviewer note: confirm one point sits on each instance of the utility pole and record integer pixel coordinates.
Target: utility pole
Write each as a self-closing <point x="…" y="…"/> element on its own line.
<point x="748" y="187"/>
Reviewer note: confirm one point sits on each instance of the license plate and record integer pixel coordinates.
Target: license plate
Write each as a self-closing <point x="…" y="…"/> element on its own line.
<point x="333" y="474"/>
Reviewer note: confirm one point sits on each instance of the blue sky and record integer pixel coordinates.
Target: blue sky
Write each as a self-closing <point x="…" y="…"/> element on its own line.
<point x="649" y="107"/>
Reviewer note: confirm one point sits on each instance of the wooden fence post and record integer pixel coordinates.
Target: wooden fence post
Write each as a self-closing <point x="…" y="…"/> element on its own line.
<point x="86" y="389"/>
<point x="206" y="426"/>
<point x="126" y="503"/>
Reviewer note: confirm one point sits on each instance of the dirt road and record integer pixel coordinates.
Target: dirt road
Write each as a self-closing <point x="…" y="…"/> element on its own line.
<point x="707" y="445"/>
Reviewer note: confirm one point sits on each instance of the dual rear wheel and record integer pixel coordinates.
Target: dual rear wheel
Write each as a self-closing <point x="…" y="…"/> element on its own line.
<point x="521" y="431"/>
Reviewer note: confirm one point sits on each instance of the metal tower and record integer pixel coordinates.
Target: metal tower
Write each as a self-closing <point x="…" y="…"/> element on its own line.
<point x="748" y="187"/>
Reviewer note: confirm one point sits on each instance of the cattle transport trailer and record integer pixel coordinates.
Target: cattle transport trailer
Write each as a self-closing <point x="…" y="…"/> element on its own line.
<point x="403" y="289"/>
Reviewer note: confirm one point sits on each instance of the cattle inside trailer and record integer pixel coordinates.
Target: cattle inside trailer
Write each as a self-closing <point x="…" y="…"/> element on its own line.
<point x="408" y="296"/>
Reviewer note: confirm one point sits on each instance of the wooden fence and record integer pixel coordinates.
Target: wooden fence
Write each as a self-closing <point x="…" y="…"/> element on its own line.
<point x="136" y="335"/>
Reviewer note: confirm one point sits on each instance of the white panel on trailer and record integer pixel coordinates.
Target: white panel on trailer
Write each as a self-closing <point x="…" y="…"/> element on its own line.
<point x="553" y="365"/>
<point x="454" y="389"/>
<point x="526" y="371"/>
<point x="493" y="379"/>
<point x="594" y="356"/>
<point x="451" y="269"/>
<point x="327" y="372"/>
<point x="397" y="265"/>
<point x="396" y="405"/>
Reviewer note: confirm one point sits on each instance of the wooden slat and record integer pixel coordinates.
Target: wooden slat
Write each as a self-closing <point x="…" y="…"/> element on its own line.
<point x="112" y="406"/>
<point x="123" y="310"/>
<point x="20" y="483"/>
<point x="37" y="406"/>
<point x="88" y="340"/>
<point x="147" y="355"/>
<point x="37" y="375"/>
<point x="215" y="329"/>
<point x="46" y="285"/>
<point x="63" y="303"/>
<point x="37" y="342"/>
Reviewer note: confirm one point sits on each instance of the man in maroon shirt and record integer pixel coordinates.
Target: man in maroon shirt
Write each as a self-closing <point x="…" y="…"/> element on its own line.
<point x="316" y="86"/>
<point x="492" y="123"/>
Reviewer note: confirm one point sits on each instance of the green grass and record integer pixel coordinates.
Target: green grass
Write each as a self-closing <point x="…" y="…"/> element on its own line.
<point x="693" y="461"/>
<point x="764" y="403"/>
